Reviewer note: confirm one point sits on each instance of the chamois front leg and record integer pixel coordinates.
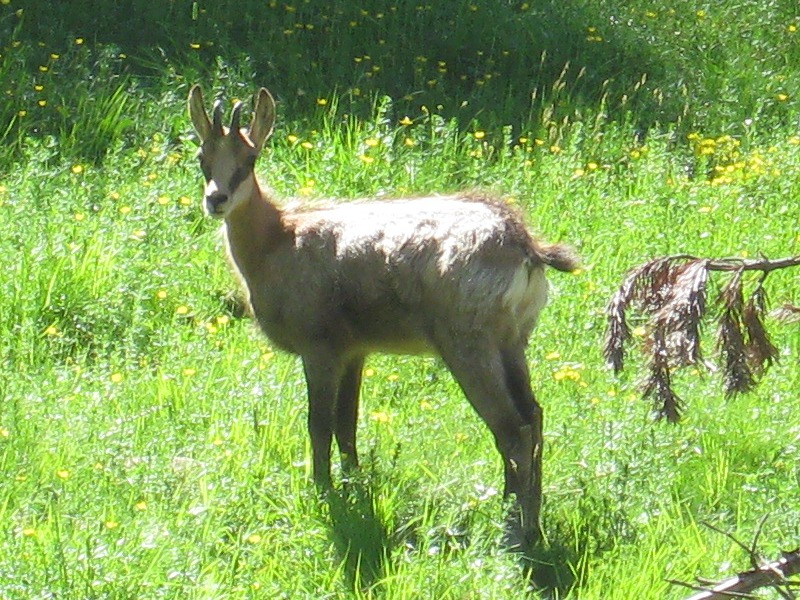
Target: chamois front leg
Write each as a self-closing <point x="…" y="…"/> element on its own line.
<point x="323" y="375"/>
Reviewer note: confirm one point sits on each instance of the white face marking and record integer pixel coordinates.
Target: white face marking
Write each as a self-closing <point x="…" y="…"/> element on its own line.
<point x="228" y="167"/>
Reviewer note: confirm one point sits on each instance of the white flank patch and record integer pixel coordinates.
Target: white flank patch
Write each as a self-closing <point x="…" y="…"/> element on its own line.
<point x="527" y="293"/>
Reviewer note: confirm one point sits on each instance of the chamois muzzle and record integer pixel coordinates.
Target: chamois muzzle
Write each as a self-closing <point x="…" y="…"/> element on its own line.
<point x="214" y="204"/>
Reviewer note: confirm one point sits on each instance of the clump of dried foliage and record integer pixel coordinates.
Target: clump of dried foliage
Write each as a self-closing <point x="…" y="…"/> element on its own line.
<point x="671" y="293"/>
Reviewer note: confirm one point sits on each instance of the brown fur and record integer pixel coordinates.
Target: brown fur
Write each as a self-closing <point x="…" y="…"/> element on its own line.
<point x="458" y="276"/>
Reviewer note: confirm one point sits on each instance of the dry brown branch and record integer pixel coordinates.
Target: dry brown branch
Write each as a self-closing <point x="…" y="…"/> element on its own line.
<point x="771" y="574"/>
<point x="731" y="340"/>
<point x="761" y="352"/>
<point x="774" y="574"/>
<point x="658" y="387"/>
<point x="671" y="293"/>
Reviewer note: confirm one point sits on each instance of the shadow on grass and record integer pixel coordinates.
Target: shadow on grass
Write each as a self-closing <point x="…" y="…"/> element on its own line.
<point x="498" y="56"/>
<point x="363" y="537"/>
<point x="550" y="568"/>
<point x="593" y="526"/>
<point x="373" y="517"/>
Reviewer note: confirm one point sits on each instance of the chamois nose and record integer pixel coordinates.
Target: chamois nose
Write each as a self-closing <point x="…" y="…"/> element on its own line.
<point x="214" y="202"/>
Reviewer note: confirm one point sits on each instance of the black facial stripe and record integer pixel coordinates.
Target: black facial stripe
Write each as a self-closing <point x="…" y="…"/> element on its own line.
<point x="240" y="174"/>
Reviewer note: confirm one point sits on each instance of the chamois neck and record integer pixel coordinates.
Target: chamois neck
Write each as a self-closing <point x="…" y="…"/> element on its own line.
<point x="253" y="230"/>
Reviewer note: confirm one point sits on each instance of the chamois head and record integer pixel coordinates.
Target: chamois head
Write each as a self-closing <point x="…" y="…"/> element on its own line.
<point x="228" y="154"/>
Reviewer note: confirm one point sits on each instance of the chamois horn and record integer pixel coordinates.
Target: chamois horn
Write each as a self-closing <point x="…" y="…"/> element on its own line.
<point x="217" y="124"/>
<point x="235" y="117"/>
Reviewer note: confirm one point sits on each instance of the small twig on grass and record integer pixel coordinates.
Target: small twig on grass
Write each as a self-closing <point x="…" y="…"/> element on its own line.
<point x="703" y="589"/>
<point x="762" y="574"/>
<point x="788" y="313"/>
<point x="739" y="586"/>
<point x="751" y="550"/>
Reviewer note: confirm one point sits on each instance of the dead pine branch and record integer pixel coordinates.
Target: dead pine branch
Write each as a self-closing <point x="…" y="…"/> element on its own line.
<point x="775" y="573"/>
<point x="671" y="294"/>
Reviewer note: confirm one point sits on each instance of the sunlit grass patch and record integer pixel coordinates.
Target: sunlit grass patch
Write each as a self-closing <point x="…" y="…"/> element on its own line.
<point x="153" y="444"/>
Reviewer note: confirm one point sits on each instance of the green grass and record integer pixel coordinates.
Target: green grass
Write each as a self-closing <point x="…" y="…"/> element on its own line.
<point x="152" y="443"/>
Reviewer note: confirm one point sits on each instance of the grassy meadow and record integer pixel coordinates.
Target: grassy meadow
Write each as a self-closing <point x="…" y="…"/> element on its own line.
<point x="153" y="443"/>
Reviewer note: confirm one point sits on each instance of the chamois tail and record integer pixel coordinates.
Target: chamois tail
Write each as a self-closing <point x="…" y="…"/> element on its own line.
<point x="561" y="257"/>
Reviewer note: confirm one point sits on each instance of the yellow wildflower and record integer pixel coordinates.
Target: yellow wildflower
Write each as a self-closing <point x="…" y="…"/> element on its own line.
<point x="380" y="417"/>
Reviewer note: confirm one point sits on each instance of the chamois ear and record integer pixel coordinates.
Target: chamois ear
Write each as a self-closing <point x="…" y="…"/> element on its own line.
<point x="198" y="114"/>
<point x="263" y="118"/>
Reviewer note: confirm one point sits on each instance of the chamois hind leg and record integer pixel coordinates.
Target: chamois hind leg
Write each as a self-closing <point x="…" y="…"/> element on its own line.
<point x="479" y="368"/>
<point x="518" y="381"/>
<point x="323" y="371"/>
<point x="347" y="413"/>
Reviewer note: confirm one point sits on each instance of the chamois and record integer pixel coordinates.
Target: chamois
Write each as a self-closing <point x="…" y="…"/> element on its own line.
<point x="457" y="276"/>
